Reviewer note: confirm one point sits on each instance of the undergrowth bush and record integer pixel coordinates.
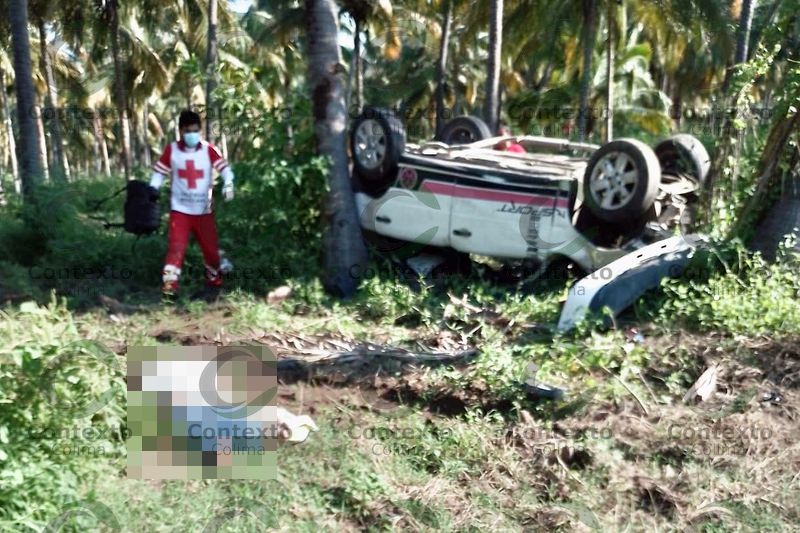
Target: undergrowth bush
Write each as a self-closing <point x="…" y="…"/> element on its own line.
<point x="734" y="291"/>
<point x="62" y="415"/>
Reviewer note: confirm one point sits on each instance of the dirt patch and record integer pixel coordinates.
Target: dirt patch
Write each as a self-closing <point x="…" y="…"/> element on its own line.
<point x="760" y="371"/>
<point x="681" y="461"/>
<point x="445" y="401"/>
<point x="330" y="369"/>
<point x="310" y="399"/>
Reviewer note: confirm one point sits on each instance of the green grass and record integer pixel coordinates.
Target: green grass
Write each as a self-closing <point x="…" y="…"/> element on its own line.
<point x="404" y="468"/>
<point x="602" y="459"/>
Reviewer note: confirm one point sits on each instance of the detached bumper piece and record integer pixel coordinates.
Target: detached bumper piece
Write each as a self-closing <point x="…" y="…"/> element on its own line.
<point x="618" y="284"/>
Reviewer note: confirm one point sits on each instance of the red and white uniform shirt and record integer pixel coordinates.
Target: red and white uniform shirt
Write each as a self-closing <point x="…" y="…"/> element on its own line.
<point x="191" y="171"/>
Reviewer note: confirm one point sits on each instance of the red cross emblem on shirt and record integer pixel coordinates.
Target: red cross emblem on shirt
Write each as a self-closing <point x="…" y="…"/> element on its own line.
<point x="190" y="174"/>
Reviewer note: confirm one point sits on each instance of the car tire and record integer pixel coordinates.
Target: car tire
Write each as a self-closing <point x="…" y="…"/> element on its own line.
<point x="684" y="155"/>
<point x="464" y="130"/>
<point x="377" y="140"/>
<point x="621" y="180"/>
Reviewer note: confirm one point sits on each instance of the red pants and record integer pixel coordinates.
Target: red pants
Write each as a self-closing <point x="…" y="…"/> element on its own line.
<point x="205" y="232"/>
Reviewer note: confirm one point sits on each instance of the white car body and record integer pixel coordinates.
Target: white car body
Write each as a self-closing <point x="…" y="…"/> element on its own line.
<point x="479" y="200"/>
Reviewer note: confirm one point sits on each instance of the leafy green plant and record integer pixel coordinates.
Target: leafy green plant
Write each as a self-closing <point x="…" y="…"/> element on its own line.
<point x="748" y="296"/>
<point x="50" y="443"/>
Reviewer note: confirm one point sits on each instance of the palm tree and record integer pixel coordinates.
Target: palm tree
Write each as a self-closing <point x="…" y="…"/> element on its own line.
<point x="31" y="166"/>
<point x="745" y="24"/>
<point x="100" y="146"/>
<point x="492" y="112"/>
<point x="691" y="45"/>
<point x="441" y="63"/>
<point x="587" y="41"/>
<point x="211" y="66"/>
<point x="366" y="13"/>
<point x="359" y="10"/>
<point x="111" y="16"/>
<point x="743" y="11"/>
<point x="43" y="14"/>
<point x="12" y="147"/>
<point x="59" y="165"/>
<point x="345" y="254"/>
<point x="610" y="18"/>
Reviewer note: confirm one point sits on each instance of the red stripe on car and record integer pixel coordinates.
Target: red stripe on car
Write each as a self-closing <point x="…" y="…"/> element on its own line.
<point x="477" y="193"/>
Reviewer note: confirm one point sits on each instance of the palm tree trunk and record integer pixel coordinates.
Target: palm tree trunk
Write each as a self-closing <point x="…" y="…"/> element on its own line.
<point x="351" y="76"/>
<point x="492" y="111"/>
<point x="289" y="148"/>
<point x="677" y="108"/>
<point x="344" y="251"/>
<point x="359" y="68"/>
<point x="745" y="24"/>
<point x="38" y="112"/>
<point x="136" y="137"/>
<point x="30" y="164"/>
<point x="97" y="161"/>
<point x="211" y="67"/>
<point x="769" y="165"/>
<point x="589" y="16"/>
<point x="145" y="137"/>
<point x="610" y="73"/>
<point x="119" y="89"/>
<point x="441" y="64"/>
<point x="742" y="40"/>
<point x="5" y="164"/>
<point x="766" y="104"/>
<point x="59" y="168"/>
<point x="542" y="82"/>
<point x="12" y="145"/>
<point x="100" y="140"/>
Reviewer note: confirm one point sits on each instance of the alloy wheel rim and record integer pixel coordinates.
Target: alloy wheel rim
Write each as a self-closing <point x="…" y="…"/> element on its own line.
<point x="370" y="145"/>
<point x="613" y="181"/>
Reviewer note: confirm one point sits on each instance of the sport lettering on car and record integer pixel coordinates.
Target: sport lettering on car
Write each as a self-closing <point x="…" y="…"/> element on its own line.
<point x="530" y="209"/>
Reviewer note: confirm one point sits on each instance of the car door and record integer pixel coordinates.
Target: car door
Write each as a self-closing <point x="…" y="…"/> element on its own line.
<point x="416" y="208"/>
<point x="502" y="215"/>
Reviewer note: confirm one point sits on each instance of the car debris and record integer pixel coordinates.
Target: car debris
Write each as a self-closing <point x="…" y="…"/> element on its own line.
<point x="537" y="389"/>
<point x="424" y="264"/>
<point x="612" y="209"/>
<point x="279" y="294"/>
<point x="625" y="279"/>
<point x="773" y="397"/>
<point x="634" y="335"/>
<point x="704" y="387"/>
<point x="294" y="428"/>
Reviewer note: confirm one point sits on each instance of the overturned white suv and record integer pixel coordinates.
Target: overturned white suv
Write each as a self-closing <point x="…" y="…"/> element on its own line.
<point x="615" y="207"/>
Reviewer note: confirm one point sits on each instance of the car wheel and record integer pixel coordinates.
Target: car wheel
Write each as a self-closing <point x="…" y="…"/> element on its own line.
<point x="621" y="180"/>
<point x="377" y="141"/>
<point x="684" y="155"/>
<point x="464" y="130"/>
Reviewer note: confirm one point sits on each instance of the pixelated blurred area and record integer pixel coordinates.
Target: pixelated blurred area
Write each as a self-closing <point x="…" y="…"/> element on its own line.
<point x="202" y="412"/>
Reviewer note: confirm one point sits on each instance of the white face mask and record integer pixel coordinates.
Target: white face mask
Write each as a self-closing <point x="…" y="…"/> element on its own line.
<point x="191" y="139"/>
